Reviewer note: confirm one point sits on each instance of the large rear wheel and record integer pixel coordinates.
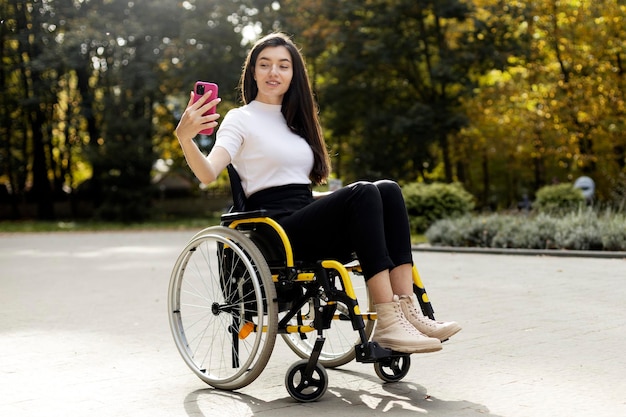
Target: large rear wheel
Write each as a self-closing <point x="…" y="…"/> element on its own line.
<point x="222" y="308"/>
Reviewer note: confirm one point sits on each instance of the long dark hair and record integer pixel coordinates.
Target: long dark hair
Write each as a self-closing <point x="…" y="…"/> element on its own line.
<point x="298" y="106"/>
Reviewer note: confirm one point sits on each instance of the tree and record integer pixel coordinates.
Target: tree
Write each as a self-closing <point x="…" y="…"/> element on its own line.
<point x="557" y="110"/>
<point x="85" y="82"/>
<point x="503" y="96"/>
<point x="390" y="77"/>
<point x="29" y="103"/>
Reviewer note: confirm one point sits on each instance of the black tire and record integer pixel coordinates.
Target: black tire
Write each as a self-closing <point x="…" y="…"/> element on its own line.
<point x="393" y="369"/>
<point x="222" y="308"/>
<point x="306" y="390"/>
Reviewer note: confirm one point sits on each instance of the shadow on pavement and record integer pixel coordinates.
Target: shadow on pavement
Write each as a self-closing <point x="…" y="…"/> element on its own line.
<point x="392" y="399"/>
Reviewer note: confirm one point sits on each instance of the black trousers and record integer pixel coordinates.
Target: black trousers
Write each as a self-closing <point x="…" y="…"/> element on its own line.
<point x="369" y="219"/>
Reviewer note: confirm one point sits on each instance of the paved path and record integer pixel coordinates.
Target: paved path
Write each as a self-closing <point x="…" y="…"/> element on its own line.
<point x="84" y="332"/>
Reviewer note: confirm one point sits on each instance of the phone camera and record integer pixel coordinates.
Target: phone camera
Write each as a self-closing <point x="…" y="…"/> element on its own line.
<point x="200" y="89"/>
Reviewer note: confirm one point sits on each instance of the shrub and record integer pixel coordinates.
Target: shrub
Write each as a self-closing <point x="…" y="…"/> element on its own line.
<point x="526" y="232"/>
<point x="483" y="229"/>
<point x="427" y="203"/>
<point x="613" y="232"/>
<point x="583" y="229"/>
<point x="540" y="232"/>
<point x="578" y="230"/>
<point x="510" y="234"/>
<point x="465" y="231"/>
<point x="558" y="199"/>
<point x="447" y="232"/>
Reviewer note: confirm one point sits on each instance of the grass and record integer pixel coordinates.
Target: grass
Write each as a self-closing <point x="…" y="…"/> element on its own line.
<point x="174" y="223"/>
<point x="416" y="239"/>
<point x="34" y="226"/>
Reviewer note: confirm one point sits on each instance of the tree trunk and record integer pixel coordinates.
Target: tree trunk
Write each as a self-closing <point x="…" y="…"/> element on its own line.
<point x="41" y="183"/>
<point x="445" y="152"/>
<point x="87" y="110"/>
<point x="486" y="179"/>
<point x="35" y="117"/>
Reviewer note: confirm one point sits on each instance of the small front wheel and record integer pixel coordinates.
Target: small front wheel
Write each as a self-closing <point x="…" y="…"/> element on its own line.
<point x="306" y="389"/>
<point x="393" y="369"/>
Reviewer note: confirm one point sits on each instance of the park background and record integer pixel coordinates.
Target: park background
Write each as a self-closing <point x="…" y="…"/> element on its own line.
<point x="499" y="98"/>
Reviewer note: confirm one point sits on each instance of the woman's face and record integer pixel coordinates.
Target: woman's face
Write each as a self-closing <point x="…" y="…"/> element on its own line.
<point x="273" y="73"/>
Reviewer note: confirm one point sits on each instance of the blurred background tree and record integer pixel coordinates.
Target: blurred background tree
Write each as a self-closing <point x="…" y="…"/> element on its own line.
<point x="501" y="96"/>
<point x="557" y="111"/>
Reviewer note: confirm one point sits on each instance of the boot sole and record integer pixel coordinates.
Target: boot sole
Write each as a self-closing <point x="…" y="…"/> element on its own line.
<point x="445" y="335"/>
<point x="409" y="349"/>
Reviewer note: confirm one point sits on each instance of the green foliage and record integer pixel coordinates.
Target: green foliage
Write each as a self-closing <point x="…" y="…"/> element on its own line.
<point x="88" y="85"/>
<point x="464" y="231"/>
<point x="583" y="229"/>
<point x="519" y="232"/>
<point x="502" y="102"/>
<point x="391" y="74"/>
<point x="427" y="203"/>
<point x="126" y="191"/>
<point x="554" y="111"/>
<point x="613" y="232"/>
<point x="579" y="230"/>
<point x="33" y="226"/>
<point x="558" y="199"/>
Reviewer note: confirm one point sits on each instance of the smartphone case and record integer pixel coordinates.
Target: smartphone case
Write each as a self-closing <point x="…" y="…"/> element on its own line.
<point x="201" y="88"/>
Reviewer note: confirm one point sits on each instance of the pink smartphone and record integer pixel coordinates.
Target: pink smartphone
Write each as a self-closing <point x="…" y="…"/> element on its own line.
<point x="199" y="90"/>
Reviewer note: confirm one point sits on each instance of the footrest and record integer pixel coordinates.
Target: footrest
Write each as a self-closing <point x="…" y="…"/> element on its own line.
<point x="372" y="352"/>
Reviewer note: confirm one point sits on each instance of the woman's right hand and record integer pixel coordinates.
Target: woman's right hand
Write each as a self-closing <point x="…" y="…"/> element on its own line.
<point x="193" y="121"/>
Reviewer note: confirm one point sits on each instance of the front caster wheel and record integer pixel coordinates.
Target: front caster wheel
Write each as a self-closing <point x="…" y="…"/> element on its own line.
<point x="306" y="389"/>
<point x="393" y="369"/>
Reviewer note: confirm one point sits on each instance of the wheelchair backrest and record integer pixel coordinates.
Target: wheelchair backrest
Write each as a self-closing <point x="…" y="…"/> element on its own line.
<point x="263" y="235"/>
<point x="239" y="197"/>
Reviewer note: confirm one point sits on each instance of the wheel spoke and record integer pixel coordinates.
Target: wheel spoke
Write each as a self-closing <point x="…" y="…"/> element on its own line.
<point x="218" y="284"/>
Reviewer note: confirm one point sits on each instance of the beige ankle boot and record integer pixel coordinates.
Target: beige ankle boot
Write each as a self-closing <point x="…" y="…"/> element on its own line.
<point x="413" y="313"/>
<point x="394" y="332"/>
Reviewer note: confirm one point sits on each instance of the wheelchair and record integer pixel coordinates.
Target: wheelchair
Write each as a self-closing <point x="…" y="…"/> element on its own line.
<point x="235" y="287"/>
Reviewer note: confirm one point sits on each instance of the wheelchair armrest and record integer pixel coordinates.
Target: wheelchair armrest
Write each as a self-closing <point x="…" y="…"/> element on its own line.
<point x="228" y="218"/>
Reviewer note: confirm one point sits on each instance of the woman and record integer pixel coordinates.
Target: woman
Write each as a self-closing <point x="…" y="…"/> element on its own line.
<point x="275" y="143"/>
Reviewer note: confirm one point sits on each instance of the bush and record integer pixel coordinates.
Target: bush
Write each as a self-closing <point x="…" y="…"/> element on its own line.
<point x="447" y="232"/>
<point x="558" y="199"/>
<point x="614" y="233"/>
<point x="525" y="232"/>
<point x="583" y="229"/>
<point x="541" y="232"/>
<point x="465" y="231"/>
<point x="579" y="230"/>
<point x="483" y="230"/>
<point x="427" y="203"/>
<point x="510" y="235"/>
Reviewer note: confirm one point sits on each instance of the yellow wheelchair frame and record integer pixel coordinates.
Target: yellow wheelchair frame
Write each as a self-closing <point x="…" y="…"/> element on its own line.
<point x="236" y="286"/>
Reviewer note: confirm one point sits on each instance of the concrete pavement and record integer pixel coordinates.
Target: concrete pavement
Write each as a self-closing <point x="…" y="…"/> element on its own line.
<point x="84" y="332"/>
